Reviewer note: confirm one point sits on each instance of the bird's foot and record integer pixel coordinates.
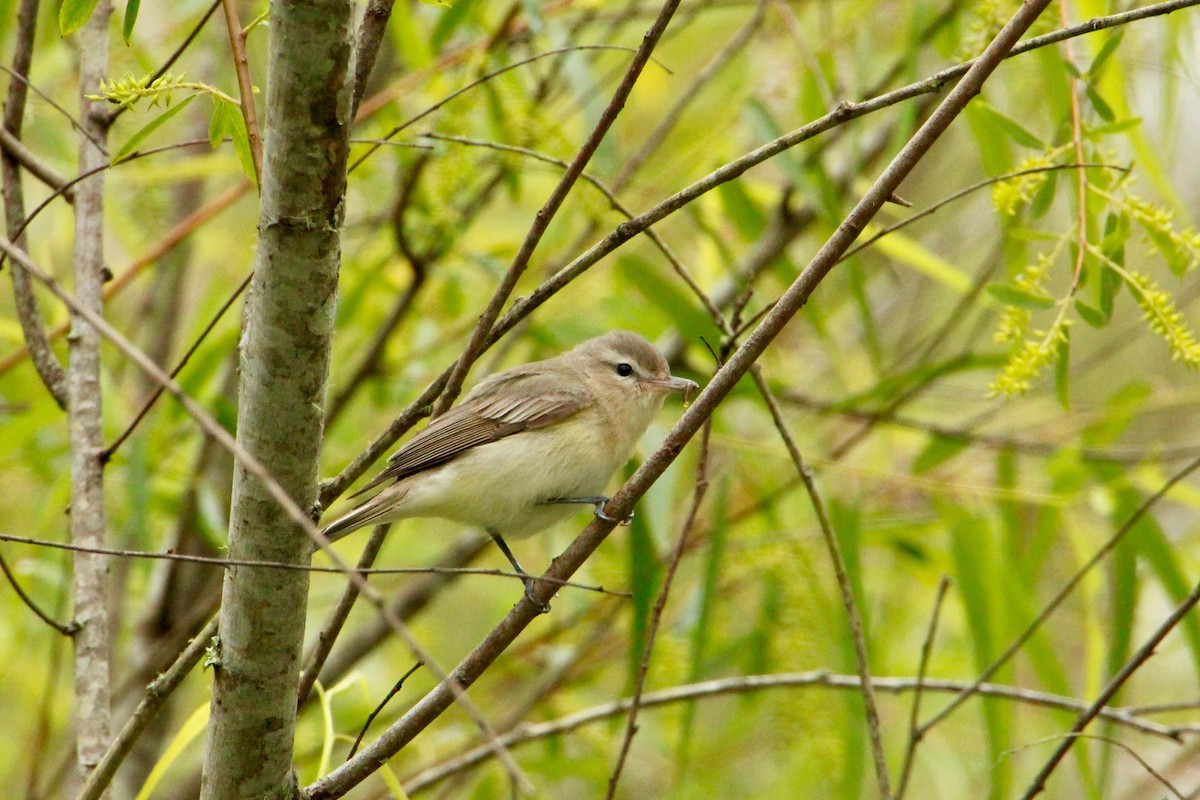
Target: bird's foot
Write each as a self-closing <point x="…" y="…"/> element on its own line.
<point x="598" y="510"/>
<point x="530" y="583"/>
<point x="598" y="502"/>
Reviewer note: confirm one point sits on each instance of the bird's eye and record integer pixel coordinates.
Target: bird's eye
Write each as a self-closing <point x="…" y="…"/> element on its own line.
<point x="624" y="369"/>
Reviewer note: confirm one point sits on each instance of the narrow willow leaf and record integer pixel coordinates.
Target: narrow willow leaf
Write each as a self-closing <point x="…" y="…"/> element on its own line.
<point x="939" y="450"/>
<point x="1015" y="296"/>
<point x="74" y="13"/>
<point x="135" y="141"/>
<point x="131" y="14"/>
<point x="1106" y="50"/>
<point x="1103" y="109"/>
<point x="220" y="125"/>
<point x="1092" y="316"/>
<point x="1062" y="368"/>
<point x="1120" y="126"/>
<point x="1013" y="129"/>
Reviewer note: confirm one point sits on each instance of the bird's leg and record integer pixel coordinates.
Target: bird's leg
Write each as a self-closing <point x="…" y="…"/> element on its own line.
<point x="526" y="578"/>
<point x="598" y="502"/>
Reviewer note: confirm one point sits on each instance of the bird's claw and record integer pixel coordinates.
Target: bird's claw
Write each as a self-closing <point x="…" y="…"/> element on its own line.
<point x="543" y="608"/>
<point x="600" y="502"/>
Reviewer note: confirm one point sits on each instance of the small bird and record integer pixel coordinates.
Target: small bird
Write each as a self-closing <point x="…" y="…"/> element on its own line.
<point x="526" y="443"/>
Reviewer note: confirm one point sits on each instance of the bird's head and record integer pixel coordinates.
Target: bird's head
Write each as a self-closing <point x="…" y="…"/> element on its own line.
<point x="627" y="369"/>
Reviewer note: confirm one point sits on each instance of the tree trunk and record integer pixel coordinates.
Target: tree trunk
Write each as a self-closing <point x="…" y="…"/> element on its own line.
<point x="90" y="575"/>
<point x="285" y="359"/>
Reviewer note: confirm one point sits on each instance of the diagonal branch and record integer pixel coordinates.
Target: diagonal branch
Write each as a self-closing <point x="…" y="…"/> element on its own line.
<point x="541" y="222"/>
<point x="470" y="668"/>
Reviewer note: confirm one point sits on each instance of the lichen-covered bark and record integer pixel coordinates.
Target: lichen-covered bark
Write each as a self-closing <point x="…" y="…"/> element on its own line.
<point x="285" y="358"/>
<point x="90" y="574"/>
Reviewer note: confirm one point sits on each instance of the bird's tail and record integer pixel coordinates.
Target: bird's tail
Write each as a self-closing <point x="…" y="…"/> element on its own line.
<point x="364" y="514"/>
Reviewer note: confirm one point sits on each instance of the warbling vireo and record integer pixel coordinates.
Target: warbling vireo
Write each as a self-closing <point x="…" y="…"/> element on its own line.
<point x="526" y="442"/>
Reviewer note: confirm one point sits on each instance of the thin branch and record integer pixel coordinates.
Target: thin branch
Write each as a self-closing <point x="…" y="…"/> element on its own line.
<point x="910" y="750"/>
<point x="1107" y="740"/>
<point x="1040" y="447"/>
<point x="337" y="618"/>
<point x="237" y="45"/>
<point x="33" y="329"/>
<point x="173" y="237"/>
<point x="660" y="605"/>
<point x="108" y="452"/>
<point x="67" y="629"/>
<point x="147" y="709"/>
<point x="721" y="687"/>
<point x="31" y="161"/>
<point x="284" y="565"/>
<point x="1078" y="166"/>
<point x="470" y="668"/>
<point x="179" y="51"/>
<point x="375" y="712"/>
<point x="371" y="30"/>
<point x="1135" y="662"/>
<point x="334" y="487"/>
<point x="849" y="605"/>
<point x="256" y="468"/>
<point x="545" y="214"/>
<point x="1061" y="596"/>
<point x="376" y="144"/>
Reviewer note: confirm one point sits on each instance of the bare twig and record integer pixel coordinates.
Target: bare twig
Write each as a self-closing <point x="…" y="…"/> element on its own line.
<point x="660" y="605"/>
<point x="68" y="629"/>
<point x="1061" y="596"/>
<point x="375" y="712"/>
<point x="470" y="668"/>
<point x="1158" y="776"/>
<point x="237" y="45"/>
<point x="255" y="467"/>
<point x="108" y="452"/>
<point x="546" y="213"/>
<point x="853" y="618"/>
<point x="371" y="30"/>
<point x="48" y="367"/>
<point x="755" y="683"/>
<point x="151" y="703"/>
<point x="1135" y="662"/>
<point x="376" y="144"/>
<point x="285" y="565"/>
<point x="910" y="749"/>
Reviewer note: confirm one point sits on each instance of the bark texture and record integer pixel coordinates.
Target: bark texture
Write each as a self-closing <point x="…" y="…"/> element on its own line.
<point x="90" y="576"/>
<point x="284" y="363"/>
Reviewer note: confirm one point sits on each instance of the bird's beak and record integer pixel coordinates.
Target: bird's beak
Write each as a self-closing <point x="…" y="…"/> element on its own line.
<point x="672" y="384"/>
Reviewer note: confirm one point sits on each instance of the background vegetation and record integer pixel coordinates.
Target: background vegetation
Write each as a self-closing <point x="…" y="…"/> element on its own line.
<point x="998" y="400"/>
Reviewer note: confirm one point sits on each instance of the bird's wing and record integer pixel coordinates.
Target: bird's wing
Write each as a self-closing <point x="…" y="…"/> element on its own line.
<point x="499" y="407"/>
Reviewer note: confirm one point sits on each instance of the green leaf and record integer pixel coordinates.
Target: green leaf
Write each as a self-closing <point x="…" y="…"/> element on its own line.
<point x="1015" y="296"/>
<point x="1103" y="109"/>
<point x="1106" y="50"/>
<point x="227" y="121"/>
<point x="1010" y="126"/>
<point x="939" y="450"/>
<point x="746" y="215"/>
<point x="74" y="13"/>
<point x="1062" y="367"/>
<point x="150" y="127"/>
<point x="1092" y="316"/>
<point x="220" y="124"/>
<point x="1044" y="197"/>
<point x="131" y="13"/>
<point x="670" y="296"/>
<point x="1120" y="126"/>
